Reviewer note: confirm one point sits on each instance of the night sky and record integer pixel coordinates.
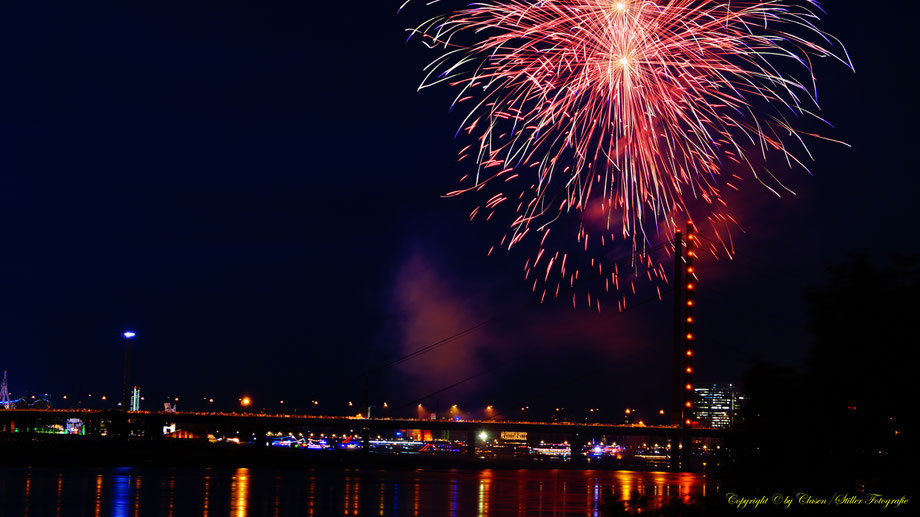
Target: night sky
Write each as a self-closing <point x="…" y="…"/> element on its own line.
<point x="255" y="189"/>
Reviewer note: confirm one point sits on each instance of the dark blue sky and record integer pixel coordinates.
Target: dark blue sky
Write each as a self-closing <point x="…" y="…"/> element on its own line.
<point x="254" y="187"/>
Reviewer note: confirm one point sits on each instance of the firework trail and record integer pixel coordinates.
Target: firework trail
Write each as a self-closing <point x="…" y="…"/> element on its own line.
<point x="610" y="118"/>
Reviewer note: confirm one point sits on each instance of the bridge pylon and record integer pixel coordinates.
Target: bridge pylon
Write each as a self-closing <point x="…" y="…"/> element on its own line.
<point x="683" y="340"/>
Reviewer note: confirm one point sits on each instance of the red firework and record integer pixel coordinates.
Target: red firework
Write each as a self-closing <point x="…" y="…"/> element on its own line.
<point x="617" y="115"/>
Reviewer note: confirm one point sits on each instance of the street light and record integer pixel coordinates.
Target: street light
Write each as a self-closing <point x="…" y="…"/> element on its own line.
<point x="129" y="335"/>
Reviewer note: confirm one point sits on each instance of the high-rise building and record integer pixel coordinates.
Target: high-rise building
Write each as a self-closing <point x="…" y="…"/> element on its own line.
<point x="136" y="399"/>
<point x="4" y="393"/>
<point x="717" y="405"/>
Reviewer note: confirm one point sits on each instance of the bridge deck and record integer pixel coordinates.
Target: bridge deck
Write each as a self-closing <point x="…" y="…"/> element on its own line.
<point x="288" y="420"/>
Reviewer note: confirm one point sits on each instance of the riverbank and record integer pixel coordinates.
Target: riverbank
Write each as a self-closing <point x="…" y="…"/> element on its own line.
<point x="107" y="452"/>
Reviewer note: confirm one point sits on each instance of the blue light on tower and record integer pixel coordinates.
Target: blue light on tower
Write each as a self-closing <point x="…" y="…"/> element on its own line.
<point x="128" y="334"/>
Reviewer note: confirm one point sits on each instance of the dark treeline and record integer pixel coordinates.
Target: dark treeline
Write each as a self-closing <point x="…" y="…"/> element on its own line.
<point x="844" y="420"/>
<point x="841" y="424"/>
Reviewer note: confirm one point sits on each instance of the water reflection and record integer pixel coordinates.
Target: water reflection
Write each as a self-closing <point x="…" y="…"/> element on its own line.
<point x="121" y="492"/>
<point x="171" y="490"/>
<point x="485" y="484"/>
<point x="311" y="496"/>
<point x="206" y="496"/>
<point x="276" y="506"/>
<point x="137" y="496"/>
<point x="99" y="482"/>
<point x="57" y="495"/>
<point x="352" y="494"/>
<point x="242" y="492"/>
<point x="416" y="488"/>
<point x="28" y="493"/>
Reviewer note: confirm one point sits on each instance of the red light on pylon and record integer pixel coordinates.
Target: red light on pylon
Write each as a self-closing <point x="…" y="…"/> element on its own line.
<point x="687" y="421"/>
<point x="689" y="303"/>
<point x="689" y="403"/>
<point x="689" y="353"/>
<point x="689" y="387"/>
<point x="690" y="269"/>
<point x="689" y="336"/>
<point x="689" y="370"/>
<point x="689" y="319"/>
<point x="690" y="286"/>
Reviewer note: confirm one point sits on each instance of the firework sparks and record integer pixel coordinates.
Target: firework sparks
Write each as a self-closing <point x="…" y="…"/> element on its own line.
<point x="618" y="115"/>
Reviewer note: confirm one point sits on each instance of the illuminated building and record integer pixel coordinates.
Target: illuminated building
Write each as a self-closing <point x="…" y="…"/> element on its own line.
<point x="4" y="393"/>
<point x="717" y="405"/>
<point x="135" y="399"/>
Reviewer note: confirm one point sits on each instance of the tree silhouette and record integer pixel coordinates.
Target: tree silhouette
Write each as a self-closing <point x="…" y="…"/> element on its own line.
<point x="844" y="419"/>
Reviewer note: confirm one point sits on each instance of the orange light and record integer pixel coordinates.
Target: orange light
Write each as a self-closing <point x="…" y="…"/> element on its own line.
<point x="690" y="269"/>
<point x="689" y="370"/>
<point x="688" y="421"/>
<point x="689" y="404"/>
<point x="690" y="319"/>
<point x="689" y="353"/>
<point x="245" y="401"/>
<point x="660" y="411"/>
<point x="689" y="303"/>
<point x="690" y="237"/>
<point x="689" y="336"/>
<point x="690" y="286"/>
<point x="689" y="387"/>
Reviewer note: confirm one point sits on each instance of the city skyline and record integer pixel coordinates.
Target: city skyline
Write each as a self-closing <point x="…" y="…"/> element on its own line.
<point x="206" y="190"/>
<point x="512" y="257"/>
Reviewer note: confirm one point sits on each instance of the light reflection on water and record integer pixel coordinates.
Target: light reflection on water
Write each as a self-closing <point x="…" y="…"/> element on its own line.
<point x="240" y="489"/>
<point x="121" y="492"/>
<point x="485" y="480"/>
<point x="242" y="492"/>
<point x="57" y="496"/>
<point x="98" y="498"/>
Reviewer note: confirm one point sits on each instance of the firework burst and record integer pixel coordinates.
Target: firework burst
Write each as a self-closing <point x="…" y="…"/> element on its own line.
<point x="610" y="118"/>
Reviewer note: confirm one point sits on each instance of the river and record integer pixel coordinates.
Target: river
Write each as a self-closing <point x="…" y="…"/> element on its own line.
<point x="245" y="492"/>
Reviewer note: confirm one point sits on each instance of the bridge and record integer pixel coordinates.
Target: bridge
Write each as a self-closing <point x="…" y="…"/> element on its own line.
<point x="149" y="424"/>
<point x="124" y="424"/>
